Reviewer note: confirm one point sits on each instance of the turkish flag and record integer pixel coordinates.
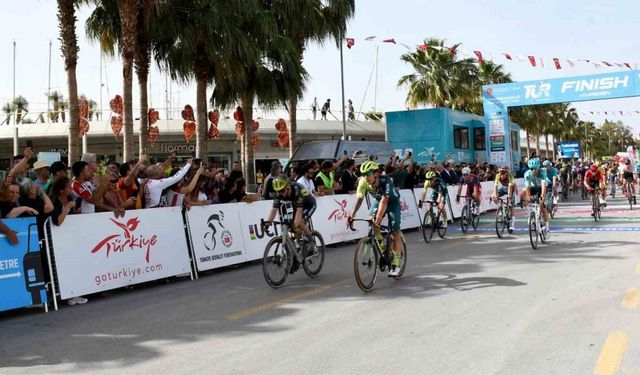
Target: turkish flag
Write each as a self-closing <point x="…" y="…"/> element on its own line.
<point x="479" y="56"/>
<point x="392" y="40"/>
<point x="532" y="60"/>
<point x="556" y="61"/>
<point x="350" y="42"/>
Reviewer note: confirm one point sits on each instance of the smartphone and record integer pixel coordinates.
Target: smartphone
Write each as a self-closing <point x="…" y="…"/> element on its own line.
<point x="30" y="144"/>
<point x="78" y="203"/>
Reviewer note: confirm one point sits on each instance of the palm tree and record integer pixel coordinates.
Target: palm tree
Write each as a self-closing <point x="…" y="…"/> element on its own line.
<point x="69" y="47"/>
<point x="488" y="73"/>
<point x="64" y="104"/>
<point x="305" y="21"/>
<point x="20" y="104"/>
<point x="129" y="20"/>
<point x="440" y="79"/>
<point x="55" y="97"/>
<point x="7" y="109"/>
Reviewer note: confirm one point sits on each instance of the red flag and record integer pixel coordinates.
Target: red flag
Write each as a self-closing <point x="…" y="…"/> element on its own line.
<point x="507" y="56"/>
<point x="556" y="61"/>
<point x="350" y="42"/>
<point x="479" y="56"/>
<point x="627" y="65"/>
<point x="453" y="50"/>
<point x="532" y="60"/>
<point x="423" y="47"/>
<point x="392" y="40"/>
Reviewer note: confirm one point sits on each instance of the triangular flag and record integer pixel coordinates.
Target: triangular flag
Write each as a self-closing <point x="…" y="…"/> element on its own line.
<point x="556" y="62"/>
<point x="627" y="65"/>
<point x="541" y="62"/>
<point x="605" y="113"/>
<point x="638" y="112"/>
<point x="507" y="56"/>
<point x="453" y="50"/>
<point x="571" y="63"/>
<point x="520" y="57"/>
<point x="350" y="42"/>
<point x="621" y="113"/>
<point x="370" y="38"/>
<point x="392" y="40"/>
<point x="423" y="47"/>
<point x="619" y="65"/>
<point x="606" y="63"/>
<point x="532" y="60"/>
<point x="591" y="112"/>
<point x="479" y="56"/>
<point x="438" y="48"/>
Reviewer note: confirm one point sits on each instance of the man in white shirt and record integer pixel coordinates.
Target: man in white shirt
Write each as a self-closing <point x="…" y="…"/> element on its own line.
<point x="306" y="178"/>
<point x="155" y="184"/>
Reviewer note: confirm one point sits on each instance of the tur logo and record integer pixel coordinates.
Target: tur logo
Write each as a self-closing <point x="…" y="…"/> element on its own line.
<point x="537" y="91"/>
<point x="214" y="222"/>
<point x="127" y="240"/>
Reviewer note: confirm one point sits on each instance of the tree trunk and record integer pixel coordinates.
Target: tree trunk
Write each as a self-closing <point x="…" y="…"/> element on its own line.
<point x="143" y="137"/>
<point x="69" y="47"/>
<point x="528" y="145"/>
<point x="293" y="125"/>
<point x="538" y="144"/>
<point x="546" y="145"/>
<point x="201" y="117"/>
<point x="18" y="116"/>
<point x="248" y="169"/>
<point x="127" y="96"/>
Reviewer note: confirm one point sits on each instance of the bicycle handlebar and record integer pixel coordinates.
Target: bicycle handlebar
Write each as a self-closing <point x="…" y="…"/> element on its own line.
<point x="371" y="222"/>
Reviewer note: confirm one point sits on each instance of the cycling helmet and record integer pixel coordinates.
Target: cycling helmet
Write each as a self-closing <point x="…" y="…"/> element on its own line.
<point x="593" y="167"/>
<point x="279" y="183"/>
<point x="534" y="163"/>
<point x="368" y="166"/>
<point x="430" y="175"/>
<point x="546" y="163"/>
<point x="504" y="168"/>
<point x="628" y="162"/>
<point x="466" y="170"/>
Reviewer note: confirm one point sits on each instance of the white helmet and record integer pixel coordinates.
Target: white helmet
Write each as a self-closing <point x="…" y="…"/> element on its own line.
<point x="466" y="170"/>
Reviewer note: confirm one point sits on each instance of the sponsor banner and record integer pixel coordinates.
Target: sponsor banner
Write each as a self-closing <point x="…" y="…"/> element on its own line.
<point x="97" y="252"/>
<point x="568" y="150"/>
<point x="330" y="215"/>
<point x="216" y="235"/>
<point x="254" y="238"/>
<point x="409" y="210"/>
<point x="21" y="278"/>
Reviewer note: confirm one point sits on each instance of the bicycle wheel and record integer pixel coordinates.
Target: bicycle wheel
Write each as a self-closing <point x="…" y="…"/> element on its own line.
<point x="554" y="209"/>
<point x="276" y="262"/>
<point x="475" y="217"/>
<point x="594" y="207"/>
<point x="500" y="222"/>
<point x="533" y="230"/>
<point x="428" y="225"/>
<point x="403" y="259"/>
<point x="543" y="232"/>
<point x="442" y="230"/>
<point x="365" y="264"/>
<point x="630" y="198"/>
<point x="464" y="219"/>
<point x="507" y="219"/>
<point x="312" y="265"/>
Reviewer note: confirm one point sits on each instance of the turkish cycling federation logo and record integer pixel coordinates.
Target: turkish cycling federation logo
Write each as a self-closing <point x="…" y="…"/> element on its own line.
<point x="127" y="240"/>
<point x="214" y="222"/>
<point x="340" y="213"/>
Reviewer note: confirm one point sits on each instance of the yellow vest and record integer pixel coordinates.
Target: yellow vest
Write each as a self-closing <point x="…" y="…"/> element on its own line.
<point x="327" y="181"/>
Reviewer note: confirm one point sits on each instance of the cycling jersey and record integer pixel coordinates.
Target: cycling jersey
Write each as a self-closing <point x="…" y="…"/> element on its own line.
<point x="386" y="188"/>
<point x="299" y="197"/>
<point x="471" y="181"/>
<point x="363" y="188"/>
<point x="550" y="174"/>
<point x="503" y="180"/>
<point x="593" y="176"/>
<point x="439" y="187"/>
<point x="628" y="173"/>
<point x="532" y="180"/>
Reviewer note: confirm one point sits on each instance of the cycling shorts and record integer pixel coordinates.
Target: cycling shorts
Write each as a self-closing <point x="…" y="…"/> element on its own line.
<point x="308" y="208"/>
<point x="593" y="184"/>
<point x="627" y="175"/>
<point x="535" y="192"/>
<point x="502" y="191"/>
<point x="393" y="212"/>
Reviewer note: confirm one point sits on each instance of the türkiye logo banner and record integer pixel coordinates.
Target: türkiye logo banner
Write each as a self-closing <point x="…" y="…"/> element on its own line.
<point x="127" y="240"/>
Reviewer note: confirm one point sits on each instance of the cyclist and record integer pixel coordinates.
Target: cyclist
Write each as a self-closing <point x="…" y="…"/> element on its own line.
<point x="564" y="175"/>
<point x="613" y="178"/>
<point x="535" y="184"/>
<point x="504" y="185"/>
<point x="304" y="205"/>
<point x="551" y="174"/>
<point x="628" y="180"/>
<point x="592" y="179"/>
<point x="438" y="193"/>
<point x="473" y="187"/>
<point x="387" y="201"/>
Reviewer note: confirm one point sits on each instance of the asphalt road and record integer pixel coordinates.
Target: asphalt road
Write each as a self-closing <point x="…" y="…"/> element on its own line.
<point x="469" y="304"/>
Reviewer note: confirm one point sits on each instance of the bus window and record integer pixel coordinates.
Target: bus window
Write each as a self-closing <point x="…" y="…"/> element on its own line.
<point x="478" y="139"/>
<point x="460" y="137"/>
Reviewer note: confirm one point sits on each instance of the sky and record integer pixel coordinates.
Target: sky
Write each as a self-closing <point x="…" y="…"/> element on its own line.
<point x="603" y="30"/>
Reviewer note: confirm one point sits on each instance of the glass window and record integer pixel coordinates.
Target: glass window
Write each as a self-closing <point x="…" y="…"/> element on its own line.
<point x="515" y="139"/>
<point x="478" y="139"/>
<point x="460" y="137"/>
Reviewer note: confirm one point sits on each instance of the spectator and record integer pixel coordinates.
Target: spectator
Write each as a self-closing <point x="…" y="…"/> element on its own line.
<point x="20" y="166"/>
<point x="155" y="184"/>
<point x="326" y="107"/>
<point x="112" y="197"/>
<point x="9" y="207"/>
<point x="314" y="107"/>
<point x="267" y="190"/>
<point x="449" y="175"/>
<point x="32" y="195"/>
<point x="235" y="166"/>
<point x="307" y="178"/>
<point x="62" y="198"/>
<point x="56" y="170"/>
<point x="12" y="236"/>
<point x="214" y="191"/>
<point x="177" y="191"/>
<point x="85" y="190"/>
<point x="114" y="168"/>
<point x="128" y="185"/>
<point x="92" y="163"/>
<point x="198" y="196"/>
<point x="41" y="168"/>
<point x="325" y="181"/>
<point x="349" y="179"/>
<point x="294" y="173"/>
<point x="351" y="111"/>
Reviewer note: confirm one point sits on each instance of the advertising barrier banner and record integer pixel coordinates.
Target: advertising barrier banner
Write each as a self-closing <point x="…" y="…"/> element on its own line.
<point x="254" y="238"/>
<point x="216" y="235"/>
<point x="330" y="215"/>
<point x="97" y="252"/>
<point x="21" y="276"/>
<point x="409" y="210"/>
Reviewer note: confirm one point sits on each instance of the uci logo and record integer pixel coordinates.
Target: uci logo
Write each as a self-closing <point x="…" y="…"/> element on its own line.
<point x="537" y="91"/>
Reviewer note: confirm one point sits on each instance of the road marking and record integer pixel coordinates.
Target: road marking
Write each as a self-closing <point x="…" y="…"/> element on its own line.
<point x="612" y="353"/>
<point x="631" y="298"/>
<point x="638" y="268"/>
<point x="295" y="297"/>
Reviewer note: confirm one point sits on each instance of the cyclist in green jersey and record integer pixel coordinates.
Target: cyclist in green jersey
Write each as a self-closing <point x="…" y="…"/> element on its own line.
<point x="386" y="201"/>
<point x="505" y="185"/>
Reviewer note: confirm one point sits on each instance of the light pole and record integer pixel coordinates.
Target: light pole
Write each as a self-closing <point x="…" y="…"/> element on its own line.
<point x="344" y="118"/>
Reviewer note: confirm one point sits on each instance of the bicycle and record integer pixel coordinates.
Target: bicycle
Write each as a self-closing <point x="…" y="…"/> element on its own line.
<point x="595" y="204"/>
<point x="432" y="222"/>
<point x="503" y="217"/>
<point x="536" y="230"/>
<point x="283" y="256"/>
<point x="629" y="192"/>
<point x="469" y="214"/>
<point x="565" y="191"/>
<point x="371" y="258"/>
<point x="554" y="203"/>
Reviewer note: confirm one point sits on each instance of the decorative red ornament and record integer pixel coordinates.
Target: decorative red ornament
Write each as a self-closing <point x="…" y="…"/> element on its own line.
<point x="189" y="130"/>
<point x="116" y="124"/>
<point x="117" y="104"/>
<point x="239" y="130"/>
<point x="83" y="124"/>
<point x="214" y="117"/>
<point x="283" y="133"/>
<point x="187" y="113"/>
<point x="238" y="115"/>
<point x="153" y="116"/>
<point x="154" y="132"/>
<point x="255" y="125"/>
<point x="255" y="140"/>
<point x="214" y="133"/>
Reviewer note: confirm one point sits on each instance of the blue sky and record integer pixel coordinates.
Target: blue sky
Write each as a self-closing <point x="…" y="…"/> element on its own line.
<point x="598" y="30"/>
